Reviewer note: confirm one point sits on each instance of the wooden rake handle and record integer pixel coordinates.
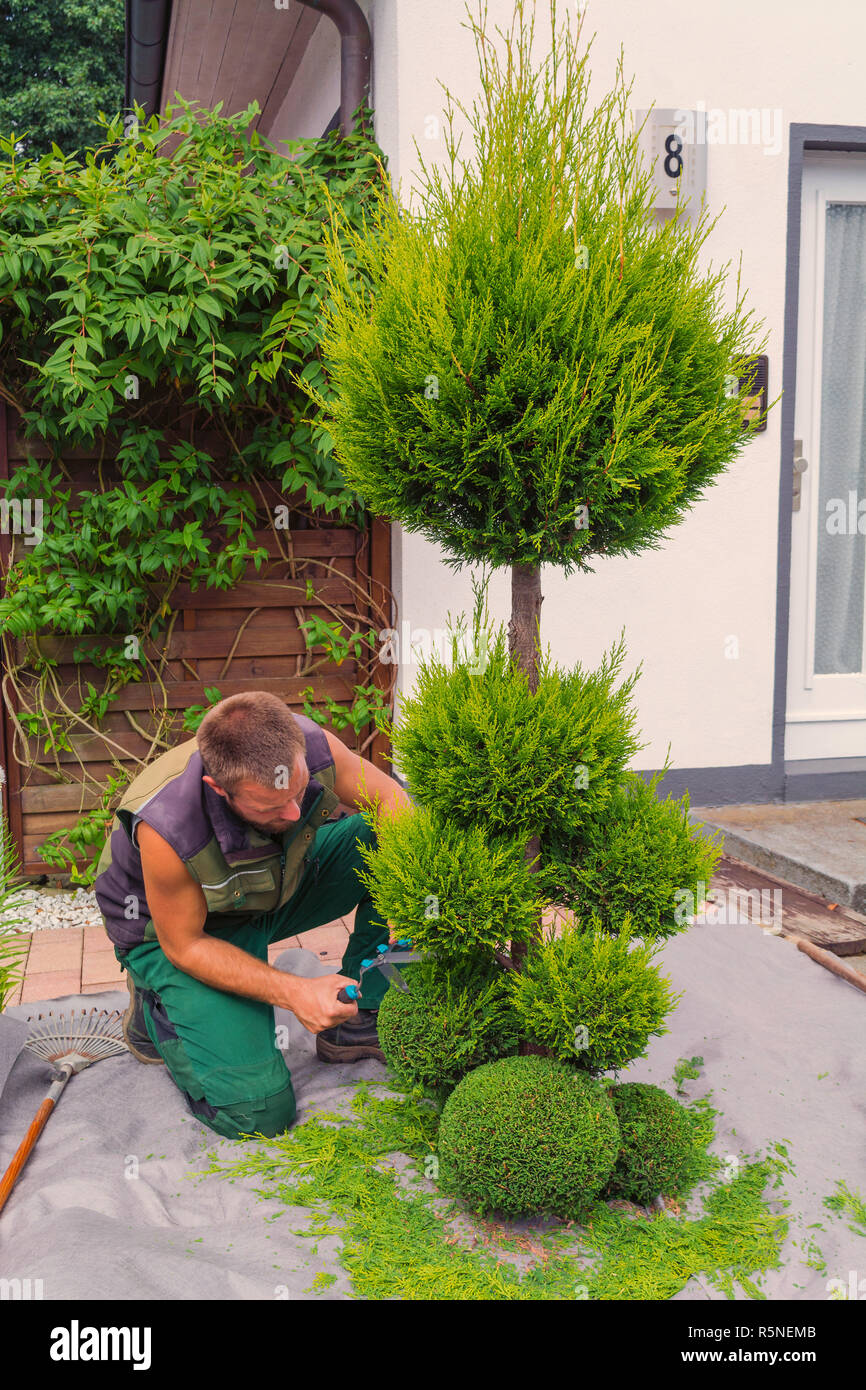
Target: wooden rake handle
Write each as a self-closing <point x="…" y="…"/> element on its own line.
<point x="831" y="962"/>
<point x="28" y="1143"/>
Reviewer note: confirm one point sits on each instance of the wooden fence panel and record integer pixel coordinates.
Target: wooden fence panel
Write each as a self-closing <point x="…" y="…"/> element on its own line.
<point x="244" y="638"/>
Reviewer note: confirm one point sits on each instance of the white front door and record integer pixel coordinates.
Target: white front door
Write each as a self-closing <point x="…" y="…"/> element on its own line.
<point x="826" y="707"/>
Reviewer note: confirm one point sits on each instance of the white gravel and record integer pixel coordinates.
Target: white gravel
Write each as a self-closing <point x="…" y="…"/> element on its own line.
<point x="41" y="910"/>
<point x="38" y="909"/>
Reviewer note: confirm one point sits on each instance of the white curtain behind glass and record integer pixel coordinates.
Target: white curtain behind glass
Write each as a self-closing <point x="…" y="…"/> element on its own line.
<point x="842" y="558"/>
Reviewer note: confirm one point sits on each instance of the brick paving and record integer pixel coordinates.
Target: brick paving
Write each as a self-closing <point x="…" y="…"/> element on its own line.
<point x="81" y="960"/>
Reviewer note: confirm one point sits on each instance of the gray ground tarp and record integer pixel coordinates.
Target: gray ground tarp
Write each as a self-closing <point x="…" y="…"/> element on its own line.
<point x="766" y="1020"/>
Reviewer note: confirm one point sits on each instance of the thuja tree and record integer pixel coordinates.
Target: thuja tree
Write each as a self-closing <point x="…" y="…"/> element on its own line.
<point x="531" y="371"/>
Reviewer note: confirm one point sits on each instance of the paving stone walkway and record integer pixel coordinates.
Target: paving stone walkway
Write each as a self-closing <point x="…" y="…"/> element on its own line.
<point x="81" y="960"/>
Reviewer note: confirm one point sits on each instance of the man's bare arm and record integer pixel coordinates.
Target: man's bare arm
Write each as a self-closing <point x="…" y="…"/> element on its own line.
<point x="361" y="784"/>
<point x="179" y="910"/>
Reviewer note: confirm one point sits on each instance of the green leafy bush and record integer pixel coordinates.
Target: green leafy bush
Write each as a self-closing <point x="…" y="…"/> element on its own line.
<point x="177" y="276"/>
<point x="451" y="890"/>
<point x="479" y="748"/>
<point x="527" y="1135"/>
<point x="449" y="1022"/>
<point x="195" y="278"/>
<point x="660" y="1150"/>
<point x="592" y="999"/>
<point x="632" y="859"/>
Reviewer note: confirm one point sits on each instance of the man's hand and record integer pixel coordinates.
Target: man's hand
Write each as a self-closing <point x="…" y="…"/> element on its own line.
<point x="315" y="1002"/>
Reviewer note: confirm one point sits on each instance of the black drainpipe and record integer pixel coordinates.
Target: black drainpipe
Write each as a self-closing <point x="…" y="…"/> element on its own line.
<point x="355" y="49"/>
<point x="147" y="24"/>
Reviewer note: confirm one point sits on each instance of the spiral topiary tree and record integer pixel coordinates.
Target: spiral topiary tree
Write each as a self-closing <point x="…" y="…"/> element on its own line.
<point x="528" y="370"/>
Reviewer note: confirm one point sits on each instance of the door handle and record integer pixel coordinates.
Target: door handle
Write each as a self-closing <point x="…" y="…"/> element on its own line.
<point x="800" y="466"/>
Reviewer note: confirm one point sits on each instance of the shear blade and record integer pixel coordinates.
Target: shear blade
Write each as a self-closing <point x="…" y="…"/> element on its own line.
<point x="392" y="974"/>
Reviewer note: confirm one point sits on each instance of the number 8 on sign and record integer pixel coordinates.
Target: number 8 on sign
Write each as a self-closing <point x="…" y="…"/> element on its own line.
<point x="673" y="159"/>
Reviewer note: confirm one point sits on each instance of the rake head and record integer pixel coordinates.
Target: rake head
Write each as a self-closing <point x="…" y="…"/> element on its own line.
<point x="76" y="1041"/>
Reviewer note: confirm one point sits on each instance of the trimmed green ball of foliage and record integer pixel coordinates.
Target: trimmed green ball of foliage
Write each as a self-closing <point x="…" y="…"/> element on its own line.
<point x="530" y="370"/>
<point x="637" y="857"/>
<point x="453" y="891"/>
<point x="527" y="1135"/>
<point x="478" y="748"/>
<point x="449" y="1022"/>
<point x="593" y="1000"/>
<point x="659" y="1151"/>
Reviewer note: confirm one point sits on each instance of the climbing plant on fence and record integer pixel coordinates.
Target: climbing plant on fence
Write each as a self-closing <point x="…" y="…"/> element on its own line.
<point x="160" y="301"/>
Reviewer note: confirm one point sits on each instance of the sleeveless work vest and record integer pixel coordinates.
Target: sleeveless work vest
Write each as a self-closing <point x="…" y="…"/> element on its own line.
<point x="242" y="872"/>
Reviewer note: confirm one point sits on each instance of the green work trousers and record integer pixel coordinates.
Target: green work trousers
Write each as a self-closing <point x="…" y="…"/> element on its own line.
<point x="220" y="1048"/>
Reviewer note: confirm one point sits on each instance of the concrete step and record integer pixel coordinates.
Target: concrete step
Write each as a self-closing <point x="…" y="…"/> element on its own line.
<point x="818" y="845"/>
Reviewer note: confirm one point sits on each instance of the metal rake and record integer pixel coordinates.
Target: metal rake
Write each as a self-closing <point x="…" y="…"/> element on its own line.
<point x="71" y="1044"/>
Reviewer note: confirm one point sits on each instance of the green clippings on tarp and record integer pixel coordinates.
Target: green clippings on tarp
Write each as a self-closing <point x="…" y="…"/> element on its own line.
<point x="845" y="1202"/>
<point x="815" y="1256"/>
<point x="416" y="1245"/>
<point x="687" y="1068"/>
<point x="652" y="1259"/>
<point x="321" y="1281"/>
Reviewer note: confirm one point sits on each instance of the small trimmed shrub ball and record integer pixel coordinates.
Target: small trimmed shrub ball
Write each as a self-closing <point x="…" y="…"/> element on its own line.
<point x="527" y="1135"/>
<point x="605" y="985"/>
<point x="659" y="1151"/>
<point x="449" y="1022"/>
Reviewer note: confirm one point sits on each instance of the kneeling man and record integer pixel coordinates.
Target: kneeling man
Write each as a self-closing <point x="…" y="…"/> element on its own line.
<point x="221" y="846"/>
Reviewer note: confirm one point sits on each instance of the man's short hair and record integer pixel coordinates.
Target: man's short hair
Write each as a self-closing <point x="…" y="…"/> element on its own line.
<point x="249" y="738"/>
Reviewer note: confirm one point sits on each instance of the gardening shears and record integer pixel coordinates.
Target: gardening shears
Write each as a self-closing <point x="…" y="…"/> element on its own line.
<point x="385" y="960"/>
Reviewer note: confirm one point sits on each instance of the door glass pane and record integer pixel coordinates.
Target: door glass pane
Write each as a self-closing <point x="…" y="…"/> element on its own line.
<point x="841" y="546"/>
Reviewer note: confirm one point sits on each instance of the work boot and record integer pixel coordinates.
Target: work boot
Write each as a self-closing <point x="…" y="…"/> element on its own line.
<point x="352" y="1040"/>
<point x="135" y="1033"/>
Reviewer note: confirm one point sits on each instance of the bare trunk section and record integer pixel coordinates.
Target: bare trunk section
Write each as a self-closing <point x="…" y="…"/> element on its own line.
<point x="524" y="644"/>
<point x="524" y="628"/>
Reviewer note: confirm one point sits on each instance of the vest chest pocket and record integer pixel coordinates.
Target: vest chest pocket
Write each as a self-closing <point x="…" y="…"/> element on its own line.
<point x="254" y="887"/>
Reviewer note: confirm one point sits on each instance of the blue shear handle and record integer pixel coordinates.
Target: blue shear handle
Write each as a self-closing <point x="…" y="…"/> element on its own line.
<point x="348" y="995"/>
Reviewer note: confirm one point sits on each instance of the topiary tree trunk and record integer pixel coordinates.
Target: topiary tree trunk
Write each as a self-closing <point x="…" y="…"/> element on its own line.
<point x="524" y="644"/>
<point x="527" y="370"/>
<point x="524" y="630"/>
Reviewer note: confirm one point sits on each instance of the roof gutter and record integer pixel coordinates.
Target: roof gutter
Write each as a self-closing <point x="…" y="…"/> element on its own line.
<point x="147" y="23"/>
<point x="355" y="49"/>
